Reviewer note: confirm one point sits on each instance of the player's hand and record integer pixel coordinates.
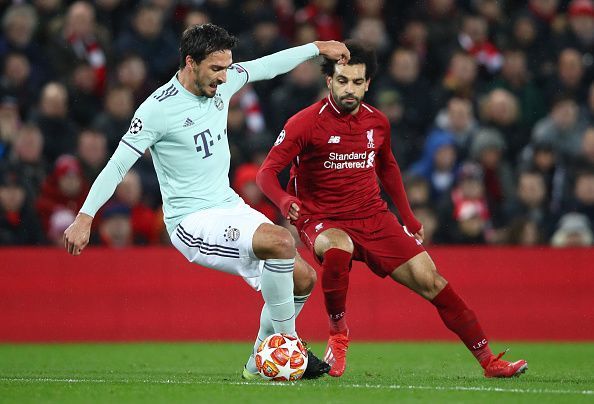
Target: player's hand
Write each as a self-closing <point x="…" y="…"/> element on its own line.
<point x="76" y="236"/>
<point x="334" y="50"/>
<point x="420" y="235"/>
<point x="293" y="212"/>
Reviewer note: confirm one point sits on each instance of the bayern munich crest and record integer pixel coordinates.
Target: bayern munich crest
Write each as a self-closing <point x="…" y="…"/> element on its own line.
<point x="135" y="126"/>
<point x="218" y="101"/>
<point x="231" y="234"/>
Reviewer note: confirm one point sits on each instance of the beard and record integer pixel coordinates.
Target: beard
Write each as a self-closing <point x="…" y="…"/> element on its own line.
<point x="347" y="106"/>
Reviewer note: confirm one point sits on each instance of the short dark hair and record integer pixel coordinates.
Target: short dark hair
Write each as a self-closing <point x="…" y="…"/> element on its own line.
<point x="199" y="41"/>
<point x="359" y="55"/>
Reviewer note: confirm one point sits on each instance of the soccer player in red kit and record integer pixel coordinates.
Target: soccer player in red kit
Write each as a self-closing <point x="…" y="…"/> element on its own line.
<point x="338" y="147"/>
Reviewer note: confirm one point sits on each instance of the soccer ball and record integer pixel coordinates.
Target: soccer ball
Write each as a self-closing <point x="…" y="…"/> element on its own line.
<point x="281" y="357"/>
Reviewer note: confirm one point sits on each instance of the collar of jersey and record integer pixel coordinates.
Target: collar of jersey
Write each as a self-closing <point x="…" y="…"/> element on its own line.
<point x="185" y="92"/>
<point x="336" y="111"/>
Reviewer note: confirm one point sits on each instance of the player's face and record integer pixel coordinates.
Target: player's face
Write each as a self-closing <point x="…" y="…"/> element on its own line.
<point x="348" y="86"/>
<point x="211" y="72"/>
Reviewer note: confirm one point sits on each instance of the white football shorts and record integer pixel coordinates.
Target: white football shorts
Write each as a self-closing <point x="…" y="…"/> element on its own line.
<point x="221" y="239"/>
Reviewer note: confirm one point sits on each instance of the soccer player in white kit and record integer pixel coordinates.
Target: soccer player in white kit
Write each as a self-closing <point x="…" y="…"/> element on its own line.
<point x="184" y="125"/>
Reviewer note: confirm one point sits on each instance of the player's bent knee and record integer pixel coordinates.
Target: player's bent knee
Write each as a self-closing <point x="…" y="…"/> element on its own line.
<point x="271" y="241"/>
<point x="333" y="238"/>
<point x="304" y="278"/>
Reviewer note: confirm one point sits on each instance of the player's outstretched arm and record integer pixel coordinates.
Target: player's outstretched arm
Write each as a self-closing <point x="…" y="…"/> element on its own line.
<point x="391" y="178"/>
<point x="288" y="145"/>
<point x="270" y="66"/>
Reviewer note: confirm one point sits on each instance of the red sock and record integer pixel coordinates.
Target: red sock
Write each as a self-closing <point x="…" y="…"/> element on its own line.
<point x="335" y="283"/>
<point x="462" y="321"/>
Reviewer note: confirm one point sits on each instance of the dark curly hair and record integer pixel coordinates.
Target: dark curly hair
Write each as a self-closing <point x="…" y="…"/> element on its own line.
<point x="199" y="41"/>
<point x="359" y="55"/>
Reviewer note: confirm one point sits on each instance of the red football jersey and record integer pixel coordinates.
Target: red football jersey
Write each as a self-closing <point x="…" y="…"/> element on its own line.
<point x="337" y="158"/>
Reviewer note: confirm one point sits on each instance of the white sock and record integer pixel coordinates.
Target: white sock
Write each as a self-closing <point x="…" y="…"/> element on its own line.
<point x="277" y="291"/>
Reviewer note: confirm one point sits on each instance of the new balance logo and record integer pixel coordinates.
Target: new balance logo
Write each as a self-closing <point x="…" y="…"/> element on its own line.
<point x="334" y="139"/>
<point x="188" y="122"/>
<point x="319" y="227"/>
<point x="169" y="92"/>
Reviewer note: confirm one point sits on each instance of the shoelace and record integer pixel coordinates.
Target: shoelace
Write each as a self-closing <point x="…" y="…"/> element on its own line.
<point x="343" y="344"/>
<point x="501" y="354"/>
<point x="499" y="357"/>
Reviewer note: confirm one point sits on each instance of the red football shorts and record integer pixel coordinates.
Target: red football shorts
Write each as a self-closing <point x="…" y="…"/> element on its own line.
<point x="380" y="240"/>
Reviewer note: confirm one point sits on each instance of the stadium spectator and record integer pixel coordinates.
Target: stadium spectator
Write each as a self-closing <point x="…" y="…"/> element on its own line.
<point x="460" y="80"/>
<point x="499" y="110"/>
<point x="64" y="188"/>
<point x="195" y="17"/>
<point x="465" y="216"/>
<point x="131" y="72"/>
<point x="373" y="33"/>
<point x="414" y="37"/>
<point x="84" y="100"/>
<point x="580" y="31"/>
<point x="301" y="87"/>
<point x="525" y="37"/>
<point x="531" y="202"/>
<point x="574" y="230"/>
<point x="418" y="191"/>
<point x="112" y="14"/>
<point x="585" y="158"/>
<point x="438" y="163"/>
<point x="19" y="223"/>
<point x="142" y="218"/>
<point x="27" y="156"/>
<point x="542" y="158"/>
<point x="115" y="227"/>
<point x="523" y="231"/>
<point x="262" y="39"/>
<point x="582" y="198"/>
<point x="474" y="39"/>
<point x="516" y="78"/>
<point x="92" y="153"/>
<point x="116" y="116"/>
<point x="78" y="38"/>
<point x="563" y="127"/>
<point x="322" y="14"/>
<point x="19" y="24"/>
<point x="569" y="78"/>
<point x="457" y="119"/>
<point x="487" y="150"/>
<point x="18" y="81"/>
<point x="403" y="77"/>
<point x="59" y="132"/>
<point x="407" y="145"/>
<point x="148" y="37"/>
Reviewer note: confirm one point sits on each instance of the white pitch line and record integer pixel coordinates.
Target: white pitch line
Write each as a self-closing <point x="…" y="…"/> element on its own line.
<point x="252" y="383"/>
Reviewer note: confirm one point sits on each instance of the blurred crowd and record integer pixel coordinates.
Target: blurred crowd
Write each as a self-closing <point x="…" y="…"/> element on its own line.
<point x="491" y="104"/>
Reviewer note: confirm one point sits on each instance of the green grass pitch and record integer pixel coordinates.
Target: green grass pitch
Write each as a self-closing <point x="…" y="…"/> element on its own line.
<point x="210" y="373"/>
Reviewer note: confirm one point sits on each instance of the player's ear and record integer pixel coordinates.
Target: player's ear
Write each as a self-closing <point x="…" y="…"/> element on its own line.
<point x="189" y="61"/>
<point x="367" y="84"/>
<point x="329" y="81"/>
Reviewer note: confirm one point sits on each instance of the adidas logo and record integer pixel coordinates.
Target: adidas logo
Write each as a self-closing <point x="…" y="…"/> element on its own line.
<point x="188" y="122"/>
